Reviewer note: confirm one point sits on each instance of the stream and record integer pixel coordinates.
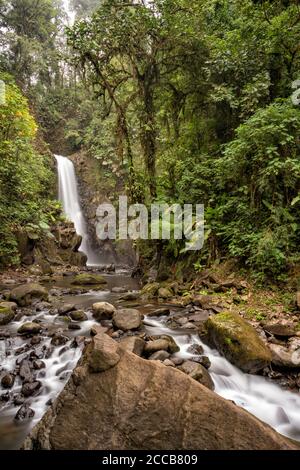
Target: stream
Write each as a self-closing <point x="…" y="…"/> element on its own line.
<point x="258" y="395"/>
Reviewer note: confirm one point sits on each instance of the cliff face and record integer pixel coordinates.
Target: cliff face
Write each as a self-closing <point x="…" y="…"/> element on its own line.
<point x="96" y="186"/>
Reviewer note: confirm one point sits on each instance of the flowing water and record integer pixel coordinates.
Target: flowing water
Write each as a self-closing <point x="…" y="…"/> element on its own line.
<point x="258" y="395"/>
<point x="68" y="195"/>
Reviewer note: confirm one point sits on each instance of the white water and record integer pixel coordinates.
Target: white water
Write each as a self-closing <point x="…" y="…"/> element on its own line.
<point x="68" y="195"/>
<point x="258" y="395"/>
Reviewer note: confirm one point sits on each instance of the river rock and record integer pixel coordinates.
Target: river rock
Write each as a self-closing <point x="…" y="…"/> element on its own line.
<point x="197" y="372"/>
<point x="280" y="329"/>
<point x="159" y="356"/>
<point x="284" y="357"/>
<point x="66" y="308"/>
<point x="30" y="388"/>
<point x="25" y="371"/>
<point x="143" y="405"/>
<point x="11" y="305"/>
<point x="8" y="381"/>
<point x="104" y="353"/>
<point x="133" y="344"/>
<point x="165" y="293"/>
<point x="127" y="319"/>
<point x="58" y="339"/>
<point x="130" y="296"/>
<point x="29" y="328"/>
<point x="203" y="360"/>
<point x="88" y="279"/>
<point x="25" y="294"/>
<point x="159" y="312"/>
<point x="103" y="311"/>
<point x="195" y="349"/>
<point x="156" y="345"/>
<point x="78" y="315"/>
<point x="118" y="290"/>
<point x="24" y="413"/>
<point x="6" y="315"/>
<point x="238" y="341"/>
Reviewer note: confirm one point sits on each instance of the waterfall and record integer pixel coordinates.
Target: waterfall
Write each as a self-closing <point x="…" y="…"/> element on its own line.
<point x="68" y="195"/>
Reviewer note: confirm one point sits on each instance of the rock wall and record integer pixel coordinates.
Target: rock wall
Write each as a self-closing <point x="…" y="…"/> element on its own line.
<point x="116" y="400"/>
<point x="59" y="246"/>
<point x="95" y="189"/>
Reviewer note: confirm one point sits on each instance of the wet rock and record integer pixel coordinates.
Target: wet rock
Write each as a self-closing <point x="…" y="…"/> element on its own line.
<point x="42" y="306"/>
<point x="159" y="312"/>
<point x="38" y="364"/>
<point x="25" y="294"/>
<point x="164" y="293"/>
<point x="5" y="397"/>
<point x="195" y="349"/>
<point x="158" y="407"/>
<point x="103" y="354"/>
<point x="88" y="279"/>
<point x="177" y="360"/>
<point x="238" y="341"/>
<point x="8" y="381"/>
<point x="133" y="344"/>
<point x="6" y="315"/>
<point x="18" y="400"/>
<point x="159" y="356"/>
<point x="127" y="319"/>
<point x="59" y="339"/>
<point x="25" y="371"/>
<point x="74" y="326"/>
<point x="78" y="315"/>
<point x="30" y="388"/>
<point x="173" y="346"/>
<point x="280" y="329"/>
<point x="29" y="328"/>
<point x="130" y="296"/>
<point x="156" y="345"/>
<point x="49" y="352"/>
<point x="66" y="308"/>
<point x="24" y="413"/>
<point x="35" y="340"/>
<point x="203" y="360"/>
<point x="103" y="310"/>
<point x="284" y="357"/>
<point x="197" y="372"/>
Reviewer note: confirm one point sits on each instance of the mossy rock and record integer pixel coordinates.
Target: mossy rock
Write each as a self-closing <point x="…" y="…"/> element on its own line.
<point x="6" y="315"/>
<point x="26" y="293"/>
<point x="150" y="290"/>
<point x="238" y="341"/>
<point x="88" y="279"/>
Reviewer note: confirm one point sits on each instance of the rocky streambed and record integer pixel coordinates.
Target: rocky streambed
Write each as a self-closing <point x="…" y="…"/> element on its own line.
<point x="48" y="324"/>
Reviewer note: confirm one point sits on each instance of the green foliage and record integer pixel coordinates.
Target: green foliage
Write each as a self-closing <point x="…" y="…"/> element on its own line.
<point x="25" y="179"/>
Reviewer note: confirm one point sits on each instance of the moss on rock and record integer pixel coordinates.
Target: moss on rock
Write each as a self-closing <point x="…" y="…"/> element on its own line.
<point x="238" y="341"/>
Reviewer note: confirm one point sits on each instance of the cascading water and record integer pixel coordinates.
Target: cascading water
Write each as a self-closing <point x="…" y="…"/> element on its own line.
<point x="270" y="403"/>
<point x="68" y="195"/>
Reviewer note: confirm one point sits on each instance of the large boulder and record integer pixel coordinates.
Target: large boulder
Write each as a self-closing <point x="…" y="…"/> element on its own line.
<point x="143" y="405"/>
<point x="238" y="341"/>
<point x="127" y="319"/>
<point x="103" y="310"/>
<point x="25" y="294"/>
